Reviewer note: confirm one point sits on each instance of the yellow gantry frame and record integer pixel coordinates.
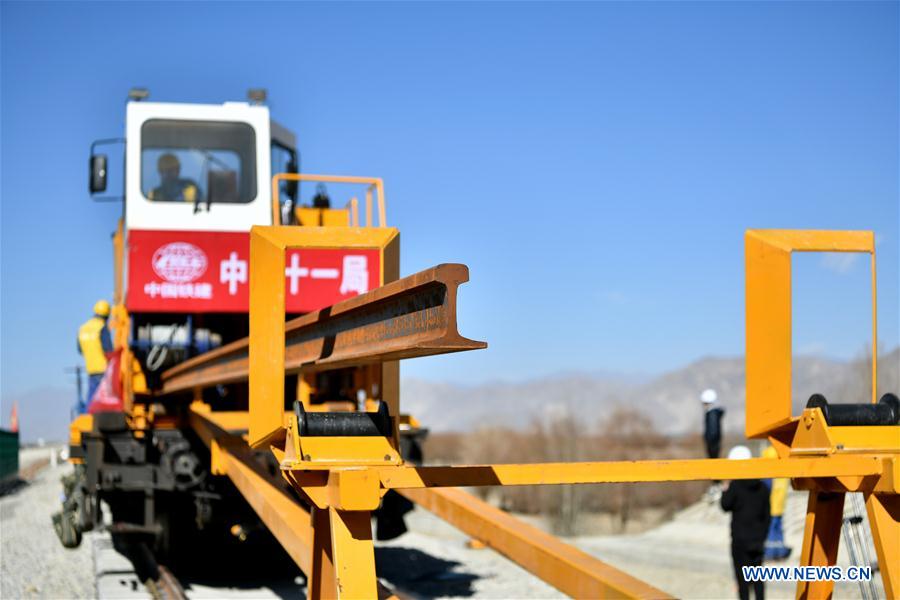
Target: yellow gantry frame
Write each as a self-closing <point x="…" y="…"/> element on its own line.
<point x="267" y="310"/>
<point x="333" y="544"/>
<point x="768" y="296"/>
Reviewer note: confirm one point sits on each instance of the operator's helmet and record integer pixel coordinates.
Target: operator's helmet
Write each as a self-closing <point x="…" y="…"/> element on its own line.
<point x="708" y="396"/>
<point x="740" y="453"/>
<point x="167" y="162"/>
<point x="101" y="308"/>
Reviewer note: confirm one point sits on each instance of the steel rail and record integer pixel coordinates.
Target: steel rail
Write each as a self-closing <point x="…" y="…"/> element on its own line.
<point x="410" y="317"/>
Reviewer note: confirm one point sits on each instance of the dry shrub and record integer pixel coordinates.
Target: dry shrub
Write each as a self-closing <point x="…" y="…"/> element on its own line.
<point x="625" y="434"/>
<point x="444" y="448"/>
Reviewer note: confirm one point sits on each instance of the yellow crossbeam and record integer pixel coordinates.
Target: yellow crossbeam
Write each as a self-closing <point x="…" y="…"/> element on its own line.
<point x="288" y="520"/>
<point x="403" y="477"/>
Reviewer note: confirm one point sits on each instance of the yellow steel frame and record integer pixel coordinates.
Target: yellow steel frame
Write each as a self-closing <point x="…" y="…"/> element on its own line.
<point x="768" y="295"/>
<point x="346" y="478"/>
<point x="267" y="309"/>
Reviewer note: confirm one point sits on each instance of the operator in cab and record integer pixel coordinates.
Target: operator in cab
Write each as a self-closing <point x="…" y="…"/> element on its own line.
<point x="94" y="343"/>
<point x="172" y="187"/>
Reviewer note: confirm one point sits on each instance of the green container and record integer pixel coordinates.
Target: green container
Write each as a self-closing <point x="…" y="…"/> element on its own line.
<point x="9" y="454"/>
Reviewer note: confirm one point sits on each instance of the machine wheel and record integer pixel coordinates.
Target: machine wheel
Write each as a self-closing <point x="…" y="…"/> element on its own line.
<point x="65" y="525"/>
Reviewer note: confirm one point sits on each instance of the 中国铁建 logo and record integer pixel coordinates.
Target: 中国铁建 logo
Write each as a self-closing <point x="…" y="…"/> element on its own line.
<point x="179" y="262"/>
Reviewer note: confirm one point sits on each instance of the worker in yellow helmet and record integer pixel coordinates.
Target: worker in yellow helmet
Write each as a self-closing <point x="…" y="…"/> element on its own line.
<point x="172" y="187"/>
<point x="93" y="343"/>
<point x="775" y="548"/>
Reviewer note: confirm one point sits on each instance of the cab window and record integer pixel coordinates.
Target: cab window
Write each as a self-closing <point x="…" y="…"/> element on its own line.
<point x="198" y="161"/>
<point x="284" y="160"/>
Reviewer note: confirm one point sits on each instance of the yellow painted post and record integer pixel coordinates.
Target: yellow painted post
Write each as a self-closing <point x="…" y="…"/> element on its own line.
<point x="266" y="380"/>
<point x="768" y="333"/>
<point x="353" y="553"/>
<point x="884" y="518"/>
<point x="354" y="212"/>
<point x="382" y="217"/>
<point x="821" y="538"/>
<point x="874" y="332"/>
<point x="321" y="580"/>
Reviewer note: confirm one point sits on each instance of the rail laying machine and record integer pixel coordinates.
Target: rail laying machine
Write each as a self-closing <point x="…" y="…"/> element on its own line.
<point x="256" y="349"/>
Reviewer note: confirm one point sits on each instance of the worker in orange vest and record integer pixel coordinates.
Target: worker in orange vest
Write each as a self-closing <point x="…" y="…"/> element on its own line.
<point x="93" y="343"/>
<point x="172" y="187"/>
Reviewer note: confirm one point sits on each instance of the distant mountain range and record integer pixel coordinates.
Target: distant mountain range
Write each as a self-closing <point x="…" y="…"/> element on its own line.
<point x="671" y="399"/>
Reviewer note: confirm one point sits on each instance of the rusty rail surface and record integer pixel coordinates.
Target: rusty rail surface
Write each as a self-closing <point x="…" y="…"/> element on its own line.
<point x="410" y="317"/>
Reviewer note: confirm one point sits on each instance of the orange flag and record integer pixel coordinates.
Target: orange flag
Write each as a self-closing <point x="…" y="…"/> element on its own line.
<point x="14" y="418"/>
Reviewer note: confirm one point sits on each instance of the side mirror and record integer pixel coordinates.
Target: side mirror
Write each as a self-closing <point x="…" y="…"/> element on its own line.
<point x="98" y="173"/>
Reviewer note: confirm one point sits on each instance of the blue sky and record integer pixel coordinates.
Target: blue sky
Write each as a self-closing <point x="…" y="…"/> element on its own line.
<point x="594" y="164"/>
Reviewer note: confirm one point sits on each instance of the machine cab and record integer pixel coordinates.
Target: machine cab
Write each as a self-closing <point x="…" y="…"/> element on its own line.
<point x="197" y="178"/>
<point x="199" y="167"/>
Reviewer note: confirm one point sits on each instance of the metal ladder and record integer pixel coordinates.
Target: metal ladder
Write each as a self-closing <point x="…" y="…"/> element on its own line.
<point x="857" y="539"/>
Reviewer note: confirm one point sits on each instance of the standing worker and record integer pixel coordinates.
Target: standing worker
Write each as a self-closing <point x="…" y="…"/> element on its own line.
<point x="93" y="343"/>
<point x="748" y="502"/>
<point x="775" y="548"/>
<point x="712" y="423"/>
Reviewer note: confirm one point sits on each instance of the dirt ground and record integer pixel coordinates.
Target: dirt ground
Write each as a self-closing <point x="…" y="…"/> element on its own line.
<point x="33" y="564"/>
<point x="690" y="557"/>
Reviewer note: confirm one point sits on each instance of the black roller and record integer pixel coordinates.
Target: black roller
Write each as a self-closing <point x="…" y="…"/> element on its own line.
<point x="336" y="424"/>
<point x="885" y="412"/>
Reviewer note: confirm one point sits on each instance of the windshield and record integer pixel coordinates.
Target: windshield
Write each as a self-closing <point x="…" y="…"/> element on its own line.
<point x="198" y="161"/>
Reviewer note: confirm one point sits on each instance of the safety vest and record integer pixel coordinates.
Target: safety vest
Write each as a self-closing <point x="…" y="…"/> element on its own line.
<point x="778" y="498"/>
<point x="778" y="495"/>
<point x="91" y="343"/>
<point x="183" y="190"/>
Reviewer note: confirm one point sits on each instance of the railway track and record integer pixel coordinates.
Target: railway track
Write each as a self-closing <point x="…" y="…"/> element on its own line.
<point x="166" y="587"/>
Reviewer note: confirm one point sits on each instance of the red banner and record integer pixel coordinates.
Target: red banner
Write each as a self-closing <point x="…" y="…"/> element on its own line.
<point x="204" y="271"/>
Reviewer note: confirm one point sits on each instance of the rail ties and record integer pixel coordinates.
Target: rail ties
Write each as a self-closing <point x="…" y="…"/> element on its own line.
<point x="410" y="317"/>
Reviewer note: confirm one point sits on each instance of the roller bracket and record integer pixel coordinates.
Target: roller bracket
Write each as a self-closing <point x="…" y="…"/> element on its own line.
<point x="343" y="424"/>
<point x="885" y="412"/>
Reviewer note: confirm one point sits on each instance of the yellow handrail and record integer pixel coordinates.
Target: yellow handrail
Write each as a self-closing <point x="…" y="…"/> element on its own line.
<point x="354" y="211"/>
<point x="373" y="182"/>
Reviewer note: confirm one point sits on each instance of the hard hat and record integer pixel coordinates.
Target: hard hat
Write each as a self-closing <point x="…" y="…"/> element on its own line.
<point x="770" y="452"/>
<point x="740" y="453"/>
<point x="708" y="396"/>
<point x="101" y="308"/>
<point x="168" y="161"/>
